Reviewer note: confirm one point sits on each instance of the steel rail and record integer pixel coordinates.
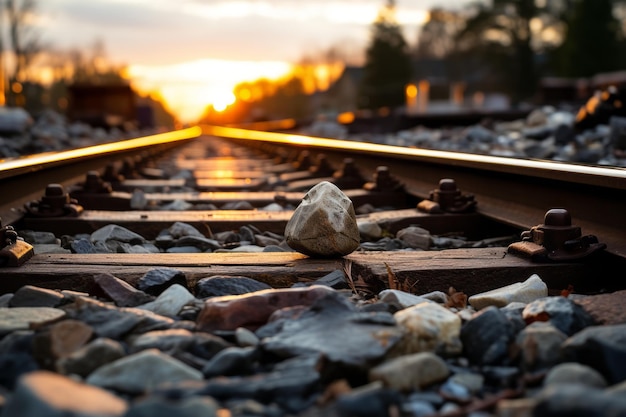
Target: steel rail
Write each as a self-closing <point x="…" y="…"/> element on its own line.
<point x="23" y="179"/>
<point x="584" y="174"/>
<point x="513" y="191"/>
<point x="37" y="162"/>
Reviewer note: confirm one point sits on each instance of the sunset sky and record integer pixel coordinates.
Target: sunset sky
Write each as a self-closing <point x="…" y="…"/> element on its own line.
<point x="195" y="51"/>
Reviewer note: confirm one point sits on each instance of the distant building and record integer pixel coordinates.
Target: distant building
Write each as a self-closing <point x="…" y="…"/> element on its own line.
<point x="342" y="95"/>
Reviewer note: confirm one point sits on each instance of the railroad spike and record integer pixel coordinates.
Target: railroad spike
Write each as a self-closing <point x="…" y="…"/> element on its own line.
<point x="556" y="240"/>
<point x="94" y="184"/>
<point x="384" y="181"/>
<point x="55" y="203"/>
<point x="348" y="176"/>
<point x="447" y="198"/>
<point x="14" y="251"/>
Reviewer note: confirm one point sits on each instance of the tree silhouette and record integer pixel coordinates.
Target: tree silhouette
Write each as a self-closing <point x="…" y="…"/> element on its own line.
<point x="592" y="44"/>
<point x="387" y="67"/>
<point x="502" y="35"/>
<point x="24" y="44"/>
<point x="437" y="35"/>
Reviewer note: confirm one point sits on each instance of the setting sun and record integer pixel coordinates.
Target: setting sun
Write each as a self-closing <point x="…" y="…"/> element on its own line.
<point x="190" y="87"/>
<point x="221" y="102"/>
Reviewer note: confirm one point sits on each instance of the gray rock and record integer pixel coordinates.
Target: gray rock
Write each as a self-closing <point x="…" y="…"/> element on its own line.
<point x="371" y="400"/>
<point x="265" y="241"/>
<point x="5" y="299"/>
<point x="184" y="249"/>
<point x="177" y="205"/>
<point x="601" y="347"/>
<point x="118" y="233"/>
<point x="315" y="332"/>
<point x="176" y="341"/>
<point x="180" y="229"/>
<point x="14" y="120"/>
<point x="200" y="242"/>
<point x="401" y="299"/>
<point x="30" y="296"/>
<point x="44" y="393"/>
<point x="122" y="293"/>
<point x="245" y="337"/>
<point x="486" y="337"/>
<point x="16" y="358"/>
<point x="42" y="248"/>
<point x="575" y="400"/>
<point x="565" y="314"/>
<point x="170" y="301"/>
<point x="574" y="373"/>
<point x="227" y="285"/>
<point x="168" y="341"/>
<point x="539" y="345"/>
<point x="21" y="318"/>
<point x="335" y="279"/>
<point x="288" y="385"/>
<point x="618" y="132"/>
<point x="231" y="361"/>
<point x="324" y="224"/>
<point x="142" y="372"/>
<point x="370" y="230"/>
<point x="411" y="372"/>
<point x="83" y="246"/>
<point x="90" y="357"/>
<point x="157" y="280"/>
<point x="110" y="321"/>
<point x="166" y="407"/>
<point x="415" y="237"/>
<point x="37" y="237"/>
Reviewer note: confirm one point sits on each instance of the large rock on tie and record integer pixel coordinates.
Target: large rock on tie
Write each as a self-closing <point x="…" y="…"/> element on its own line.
<point x="324" y="224"/>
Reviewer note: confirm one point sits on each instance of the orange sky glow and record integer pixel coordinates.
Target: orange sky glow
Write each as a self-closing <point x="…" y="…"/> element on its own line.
<point x="188" y="88"/>
<point x="192" y="53"/>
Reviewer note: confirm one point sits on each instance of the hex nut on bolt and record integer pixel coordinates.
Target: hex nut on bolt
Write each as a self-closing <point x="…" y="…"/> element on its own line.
<point x="556" y="239"/>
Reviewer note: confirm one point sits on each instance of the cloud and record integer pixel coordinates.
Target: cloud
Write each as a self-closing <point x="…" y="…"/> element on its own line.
<point x="161" y="31"/>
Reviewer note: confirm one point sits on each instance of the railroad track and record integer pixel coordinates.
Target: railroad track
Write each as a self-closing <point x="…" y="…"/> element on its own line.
<point x="235" y="185"/>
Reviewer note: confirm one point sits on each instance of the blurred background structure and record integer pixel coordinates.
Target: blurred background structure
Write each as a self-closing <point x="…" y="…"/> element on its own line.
<point x="494" y="54"/>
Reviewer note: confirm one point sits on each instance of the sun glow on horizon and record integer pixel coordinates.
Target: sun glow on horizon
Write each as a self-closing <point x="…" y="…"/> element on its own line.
<point x="189" y="88"/>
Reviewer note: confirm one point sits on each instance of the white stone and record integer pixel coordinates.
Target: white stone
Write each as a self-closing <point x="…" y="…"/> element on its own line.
<point x="21" y="318"/>
<point x="415" y="237"/>
<point x="370" y="230"/>
<point x="523" y="292"/>
<point x="428" y="327"/>
<point x="401" y="299"/>
<point x="170" y="302"/>
<point x="411" y="372"/>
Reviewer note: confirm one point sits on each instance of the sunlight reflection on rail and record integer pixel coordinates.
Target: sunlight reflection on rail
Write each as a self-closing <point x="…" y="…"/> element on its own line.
<point x="39" y="161"/>
<point x="609" y="177"/>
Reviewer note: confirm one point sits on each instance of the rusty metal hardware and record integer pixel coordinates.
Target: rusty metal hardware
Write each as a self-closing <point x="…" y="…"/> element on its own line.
<point x="348" y="176"/>
<point x="322" y="167"/>
<point x="96" y="194"/>
<point x="14" y="251"/>
<point x="384" y="181"/>
<point x="55" y="203"/>
<point x="112" y="174"/>
<point x="447" y="198"/>
<point x="94" y="184"/>
<point x="129" y="168"/>
<point x="556" y="240"/>
<point x="303" y="163"/>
